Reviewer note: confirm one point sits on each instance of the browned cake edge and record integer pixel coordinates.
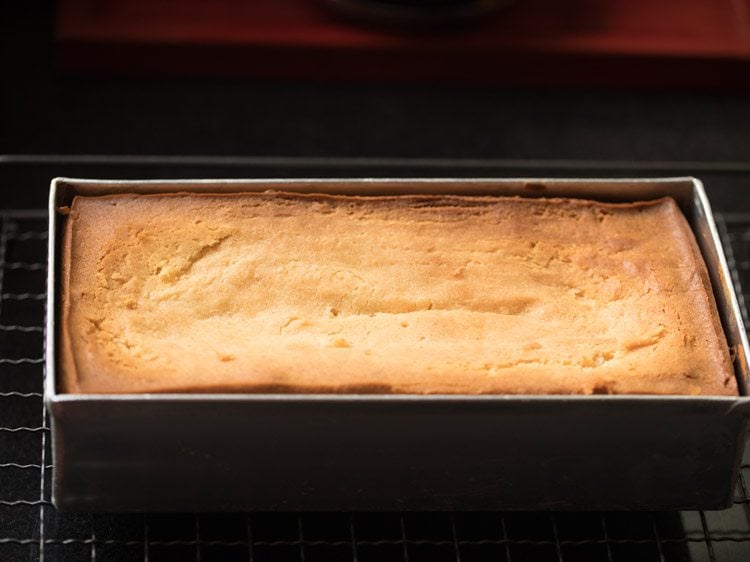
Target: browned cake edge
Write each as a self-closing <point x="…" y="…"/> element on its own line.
<point x="68" y="372"/>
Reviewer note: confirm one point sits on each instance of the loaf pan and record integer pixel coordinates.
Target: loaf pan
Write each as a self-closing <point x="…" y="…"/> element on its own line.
<point x="214" y="452"/>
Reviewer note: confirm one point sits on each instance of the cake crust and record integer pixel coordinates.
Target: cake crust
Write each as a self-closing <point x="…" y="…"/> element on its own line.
<point x="416" y="294"/>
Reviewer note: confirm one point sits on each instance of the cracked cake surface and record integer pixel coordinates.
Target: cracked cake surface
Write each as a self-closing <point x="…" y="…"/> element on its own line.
<point x="422" y="294"/>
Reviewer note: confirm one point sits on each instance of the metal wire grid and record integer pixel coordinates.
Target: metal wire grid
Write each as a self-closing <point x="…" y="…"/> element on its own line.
<point x="31" y="528"/>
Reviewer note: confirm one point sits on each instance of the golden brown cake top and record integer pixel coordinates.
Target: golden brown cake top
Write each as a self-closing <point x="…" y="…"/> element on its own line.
<point x="271" y="291"/>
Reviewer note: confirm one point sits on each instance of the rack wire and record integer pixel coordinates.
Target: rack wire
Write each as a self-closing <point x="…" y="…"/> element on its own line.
<point x="31" y="528"/>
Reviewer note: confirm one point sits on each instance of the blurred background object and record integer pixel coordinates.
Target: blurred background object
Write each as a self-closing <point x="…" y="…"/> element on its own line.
<point x="153" y="92"/>
<point x="416" y="14"/>
<point x="579" y="43"/>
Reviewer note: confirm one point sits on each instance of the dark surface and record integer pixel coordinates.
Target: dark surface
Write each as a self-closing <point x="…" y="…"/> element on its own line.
<point x="42" y="112"/>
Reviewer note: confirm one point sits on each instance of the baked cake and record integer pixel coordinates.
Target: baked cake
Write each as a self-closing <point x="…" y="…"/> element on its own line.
<point x="282" y="292"/>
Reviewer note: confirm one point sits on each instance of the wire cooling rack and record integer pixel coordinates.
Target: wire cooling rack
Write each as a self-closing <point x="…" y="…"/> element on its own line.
<point x="32" y="529"/>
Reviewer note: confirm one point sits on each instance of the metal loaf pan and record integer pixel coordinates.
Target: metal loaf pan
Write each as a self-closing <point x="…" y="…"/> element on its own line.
<point x="388" y="452"/>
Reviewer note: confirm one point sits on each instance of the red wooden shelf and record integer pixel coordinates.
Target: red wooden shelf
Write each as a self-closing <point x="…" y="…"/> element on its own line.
<point x="629" y="43"/>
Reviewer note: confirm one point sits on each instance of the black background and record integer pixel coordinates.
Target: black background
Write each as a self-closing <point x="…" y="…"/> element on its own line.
<point x="45" y="112"/>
